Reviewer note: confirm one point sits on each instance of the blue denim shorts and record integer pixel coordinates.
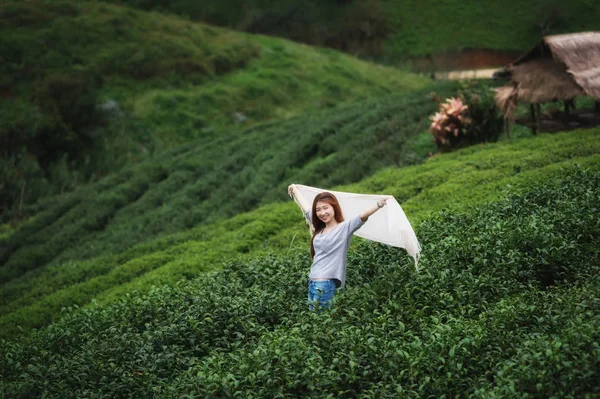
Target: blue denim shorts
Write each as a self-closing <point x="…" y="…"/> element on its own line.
<point x="320" y="293"/>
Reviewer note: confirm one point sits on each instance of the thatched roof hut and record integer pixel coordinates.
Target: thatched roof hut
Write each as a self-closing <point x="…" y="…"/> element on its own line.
<point x="559" y="67"/>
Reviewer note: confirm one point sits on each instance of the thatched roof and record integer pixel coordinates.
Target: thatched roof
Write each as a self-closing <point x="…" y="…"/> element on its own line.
<point x="581" y="54"/>
<point x="559" y="67"/>
<point x="543" y="79"/>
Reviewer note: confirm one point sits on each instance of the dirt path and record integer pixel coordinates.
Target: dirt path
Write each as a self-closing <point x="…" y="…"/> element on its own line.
<point x="468" y="74"/>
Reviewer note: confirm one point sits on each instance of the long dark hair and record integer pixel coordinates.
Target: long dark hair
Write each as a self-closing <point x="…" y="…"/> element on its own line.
<point x="317" y="223"/>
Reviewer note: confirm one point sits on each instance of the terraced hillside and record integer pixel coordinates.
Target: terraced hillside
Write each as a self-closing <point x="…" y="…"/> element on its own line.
<point x="505" y="303"/>
<point x="103" y="246"/>
<point x="212" y="180"/>
<point x="87" y="87"/>
<point x="177" y="266"/>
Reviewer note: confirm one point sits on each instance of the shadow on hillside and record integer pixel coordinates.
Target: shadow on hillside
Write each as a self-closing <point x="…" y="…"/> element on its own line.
<point x="556" y="121"/>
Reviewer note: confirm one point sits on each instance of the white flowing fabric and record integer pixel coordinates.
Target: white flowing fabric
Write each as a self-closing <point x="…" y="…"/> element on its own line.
<point x="389" y="225"/>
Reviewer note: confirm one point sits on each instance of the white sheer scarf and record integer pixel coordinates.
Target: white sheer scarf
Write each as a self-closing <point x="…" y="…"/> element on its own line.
<point x="389" y="225"/>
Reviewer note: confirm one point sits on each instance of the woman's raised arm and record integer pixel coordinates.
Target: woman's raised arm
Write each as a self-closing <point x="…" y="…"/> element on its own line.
<point x="295" y="193"/>
<point x="364" y="215"/>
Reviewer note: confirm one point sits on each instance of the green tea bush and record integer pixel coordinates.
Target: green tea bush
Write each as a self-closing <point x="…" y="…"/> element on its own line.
<point x="486" y="120"/>
<point x="478" y="320"/>
<point x="214" y="180"/>
<point x="73" y="222"/>
<point x="35" y="298"/>
<point x="472" y="176"/>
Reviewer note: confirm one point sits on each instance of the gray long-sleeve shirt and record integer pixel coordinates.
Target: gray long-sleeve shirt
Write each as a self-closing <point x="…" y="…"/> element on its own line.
<point x="331" y="250"/>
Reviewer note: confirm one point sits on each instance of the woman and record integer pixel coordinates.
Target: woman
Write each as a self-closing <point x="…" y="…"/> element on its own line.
<point x="329" y="244"/>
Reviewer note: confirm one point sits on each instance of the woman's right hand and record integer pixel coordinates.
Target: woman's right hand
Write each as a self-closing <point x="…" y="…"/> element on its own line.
<point x="291" y="188"/>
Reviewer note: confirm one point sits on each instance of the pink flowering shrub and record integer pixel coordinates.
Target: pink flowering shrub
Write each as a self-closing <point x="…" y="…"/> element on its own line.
<point x="470" y="118"/>
<point x="449" y="123"/>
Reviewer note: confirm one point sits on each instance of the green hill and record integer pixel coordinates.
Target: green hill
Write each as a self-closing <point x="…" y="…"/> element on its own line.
<point x="87" y="87"/>
<point x="203" y="183"/>
<point x="172" y="264"/>
<point x="392" y="30"/>
<point x="430" y="27"/>
<point x="505" y="303"/>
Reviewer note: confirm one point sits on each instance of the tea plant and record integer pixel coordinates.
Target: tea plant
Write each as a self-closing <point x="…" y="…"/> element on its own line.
<point x="505" y="304"/>
<point x="472" y="176"/>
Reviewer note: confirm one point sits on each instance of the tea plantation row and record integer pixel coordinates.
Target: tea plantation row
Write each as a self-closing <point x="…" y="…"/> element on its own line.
<point x="468" y="177"/>
<point x="211" y="180"/>
<point x="88" y="87"/>
<point x="505" y="305"/>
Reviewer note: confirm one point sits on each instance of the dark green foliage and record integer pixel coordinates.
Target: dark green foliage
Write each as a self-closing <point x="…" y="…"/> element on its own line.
<point x="486" y="121"/>
<point x="69" y="106"/>
<point x="54" y="128"/>
<point x="553" y="17"/>
<point x="215" y="179"/>
<point x="88" y="87"/>
<point x="393" y="30"/>
<point x="356" y="26"/>
<point x="481" y="318"/>
<point x="74" y="274"/>
<point x="481" y="122"/>
<point x="19" y="121"/>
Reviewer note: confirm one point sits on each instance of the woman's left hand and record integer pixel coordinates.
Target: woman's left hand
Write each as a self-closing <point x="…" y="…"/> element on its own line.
<point x="382" y="202"/>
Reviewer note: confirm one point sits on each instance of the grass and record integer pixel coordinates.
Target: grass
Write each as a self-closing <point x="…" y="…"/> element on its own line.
<point x="411" y="28"/>
<point x="176" y="79"/>
<point x="288" y="80"/>
<point x="429" y="27"/>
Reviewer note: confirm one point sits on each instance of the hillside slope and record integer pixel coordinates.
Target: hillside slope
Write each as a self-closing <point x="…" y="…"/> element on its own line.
<point x="505" y="305"/>
<point x="213" y="179"/>
<point x="163" y="69"/>
<point x="87" y="87"/>
<point x="392" y="30"/>
<point x="430" y="27"/>
<point x="77" y="262"/>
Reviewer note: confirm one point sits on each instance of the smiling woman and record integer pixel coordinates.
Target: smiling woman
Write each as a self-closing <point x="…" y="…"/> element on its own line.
<point x="329" y="244"/>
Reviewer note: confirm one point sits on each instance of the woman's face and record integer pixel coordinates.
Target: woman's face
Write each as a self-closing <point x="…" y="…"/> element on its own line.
<point x="325" y="211"/>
